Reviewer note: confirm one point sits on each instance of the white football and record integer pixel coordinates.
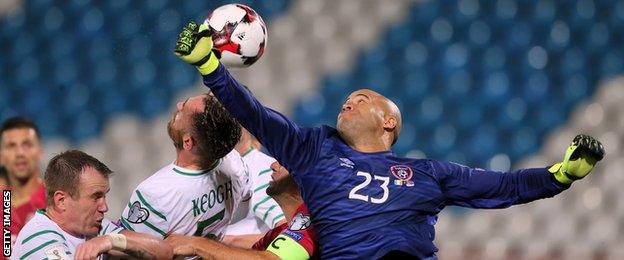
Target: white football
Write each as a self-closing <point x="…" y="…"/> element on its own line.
<point x="239" y="35"/>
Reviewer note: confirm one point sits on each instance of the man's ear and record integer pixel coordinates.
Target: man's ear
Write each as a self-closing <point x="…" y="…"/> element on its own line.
<point x="390" y="123"/>
<point x="188" y="142"/>
<point x="60" y="199"/>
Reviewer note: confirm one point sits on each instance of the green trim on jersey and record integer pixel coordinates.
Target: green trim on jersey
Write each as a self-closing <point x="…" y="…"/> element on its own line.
<point x="287" y="248"/>
<point x="266" y="214"/>
<point x="162" y="233"/>
<point x="248" y="151"/>
<point x="112" y="230"/>
<point x="264" y="171"/>
<point x="190" y="174"/>
<point x="37" y="249"/>
<point x="255" y="207"/>
<point x="41" y="233"/>
<point x="261" y="187"/>
<point x="126" y="224"/>
<point x="278" y="217"/>
<point x="156" y="212"/>
<point x="149" y="225"/>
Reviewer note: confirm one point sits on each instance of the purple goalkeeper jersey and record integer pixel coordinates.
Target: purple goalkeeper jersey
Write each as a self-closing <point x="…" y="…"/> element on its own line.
<point x="366" y="205"/>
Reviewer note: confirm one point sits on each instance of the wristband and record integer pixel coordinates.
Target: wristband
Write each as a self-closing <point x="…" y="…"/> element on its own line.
<point x="119" y="241"/>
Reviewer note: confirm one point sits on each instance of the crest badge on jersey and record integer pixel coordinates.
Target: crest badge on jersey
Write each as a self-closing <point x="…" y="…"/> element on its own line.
<point x="56" y="252"/>
<point x="137" y="214"/>
<point x="300" y="222"/>
<point x="403" y="175"/>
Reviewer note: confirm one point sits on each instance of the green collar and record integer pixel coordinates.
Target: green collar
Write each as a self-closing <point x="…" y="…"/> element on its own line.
<point x="189" y="172"/>
<point x="248" y="151"/>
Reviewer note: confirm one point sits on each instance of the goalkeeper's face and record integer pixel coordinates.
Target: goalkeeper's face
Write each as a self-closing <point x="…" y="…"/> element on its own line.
<point x="85" y="211"/>
<point x="367" y="114"/>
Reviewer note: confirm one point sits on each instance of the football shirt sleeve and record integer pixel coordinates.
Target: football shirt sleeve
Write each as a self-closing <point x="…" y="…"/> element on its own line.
<point x="296" y="148"/>
<point x="263" y="206"/>
<point x="479" y="188"/>
<point x="298" y="240"/>
<point x="233" y="166"/>
<point x="144" y="215"/>
<point x="110" y="227"/>
<point x="45" y="244"/>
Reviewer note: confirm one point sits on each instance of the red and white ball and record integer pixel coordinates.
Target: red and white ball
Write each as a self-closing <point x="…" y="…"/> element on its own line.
<point x="239" y="35"/>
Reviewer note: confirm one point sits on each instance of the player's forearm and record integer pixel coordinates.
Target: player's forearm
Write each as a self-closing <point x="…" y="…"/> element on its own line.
<point x="242" y="241"/>
<point x="500" y="190"/>
<point x="537" y="183"/>
<point x="146" y="246"/>
<point x="238" y="101"/>
<point x="209" y="249"/>
<point x="478" y="188"/>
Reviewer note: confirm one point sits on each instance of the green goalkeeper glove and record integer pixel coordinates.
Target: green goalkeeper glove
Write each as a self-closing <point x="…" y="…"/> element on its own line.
<point x="580" y="157"/>
<point x="194" y="46"/>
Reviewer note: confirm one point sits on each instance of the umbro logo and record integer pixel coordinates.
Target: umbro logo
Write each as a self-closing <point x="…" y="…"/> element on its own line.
<point x="346" y="163"/>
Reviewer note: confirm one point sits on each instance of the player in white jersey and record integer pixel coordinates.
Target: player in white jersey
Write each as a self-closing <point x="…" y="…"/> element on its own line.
<point x="43" y="238"/>
<point x="190" y="202"/>
<point x="72" y="226"/>
<point x="197" y="193"/>
<point x="264" y="213"/>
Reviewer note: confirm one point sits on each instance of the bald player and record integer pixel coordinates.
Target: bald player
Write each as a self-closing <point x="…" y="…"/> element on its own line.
<point x="366" y="202"/>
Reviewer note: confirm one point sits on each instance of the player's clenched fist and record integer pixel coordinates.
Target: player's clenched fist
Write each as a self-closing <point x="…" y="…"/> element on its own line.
<point x="580" y="157"/>
<point x="194" y="46"/>
<point x="92" y="248"/>
<point x="182" y="245"/>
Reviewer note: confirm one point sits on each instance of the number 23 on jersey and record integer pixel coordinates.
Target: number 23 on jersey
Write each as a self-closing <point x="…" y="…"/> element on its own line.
<point x="382" y="181"/>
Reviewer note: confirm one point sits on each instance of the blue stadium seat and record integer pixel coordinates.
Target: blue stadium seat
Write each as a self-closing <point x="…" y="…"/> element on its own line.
<point x="76" y="98"/>
<point x="415" y="85"/>
<point x="270" y="8"/>
<point x="457" y="85"/>
<point x="115" y="6"/>
<point x="48" y="122"/>
<point x="152" y="102"/>
<point x="85" y="124"/>
<point x="523" y="141"/>
<point x="512" y="114"/>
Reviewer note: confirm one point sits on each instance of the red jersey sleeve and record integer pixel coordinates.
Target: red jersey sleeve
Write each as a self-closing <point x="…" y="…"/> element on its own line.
<point x="266" y="240"/>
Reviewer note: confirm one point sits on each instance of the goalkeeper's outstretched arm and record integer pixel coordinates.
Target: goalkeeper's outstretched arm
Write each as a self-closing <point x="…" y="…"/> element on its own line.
<point x="478" y="188"/>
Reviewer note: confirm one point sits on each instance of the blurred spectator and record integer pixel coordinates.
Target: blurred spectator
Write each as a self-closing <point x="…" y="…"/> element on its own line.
<point x="20" y="154"/>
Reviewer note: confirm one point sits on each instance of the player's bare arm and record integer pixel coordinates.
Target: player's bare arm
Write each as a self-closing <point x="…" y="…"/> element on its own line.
<point x="242" y="241"/>
<point x="210" y="249"/>
<point x="126" y="243"/>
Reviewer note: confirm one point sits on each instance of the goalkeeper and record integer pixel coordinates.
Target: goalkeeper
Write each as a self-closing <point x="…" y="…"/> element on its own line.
<point x="367" y="202"/>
